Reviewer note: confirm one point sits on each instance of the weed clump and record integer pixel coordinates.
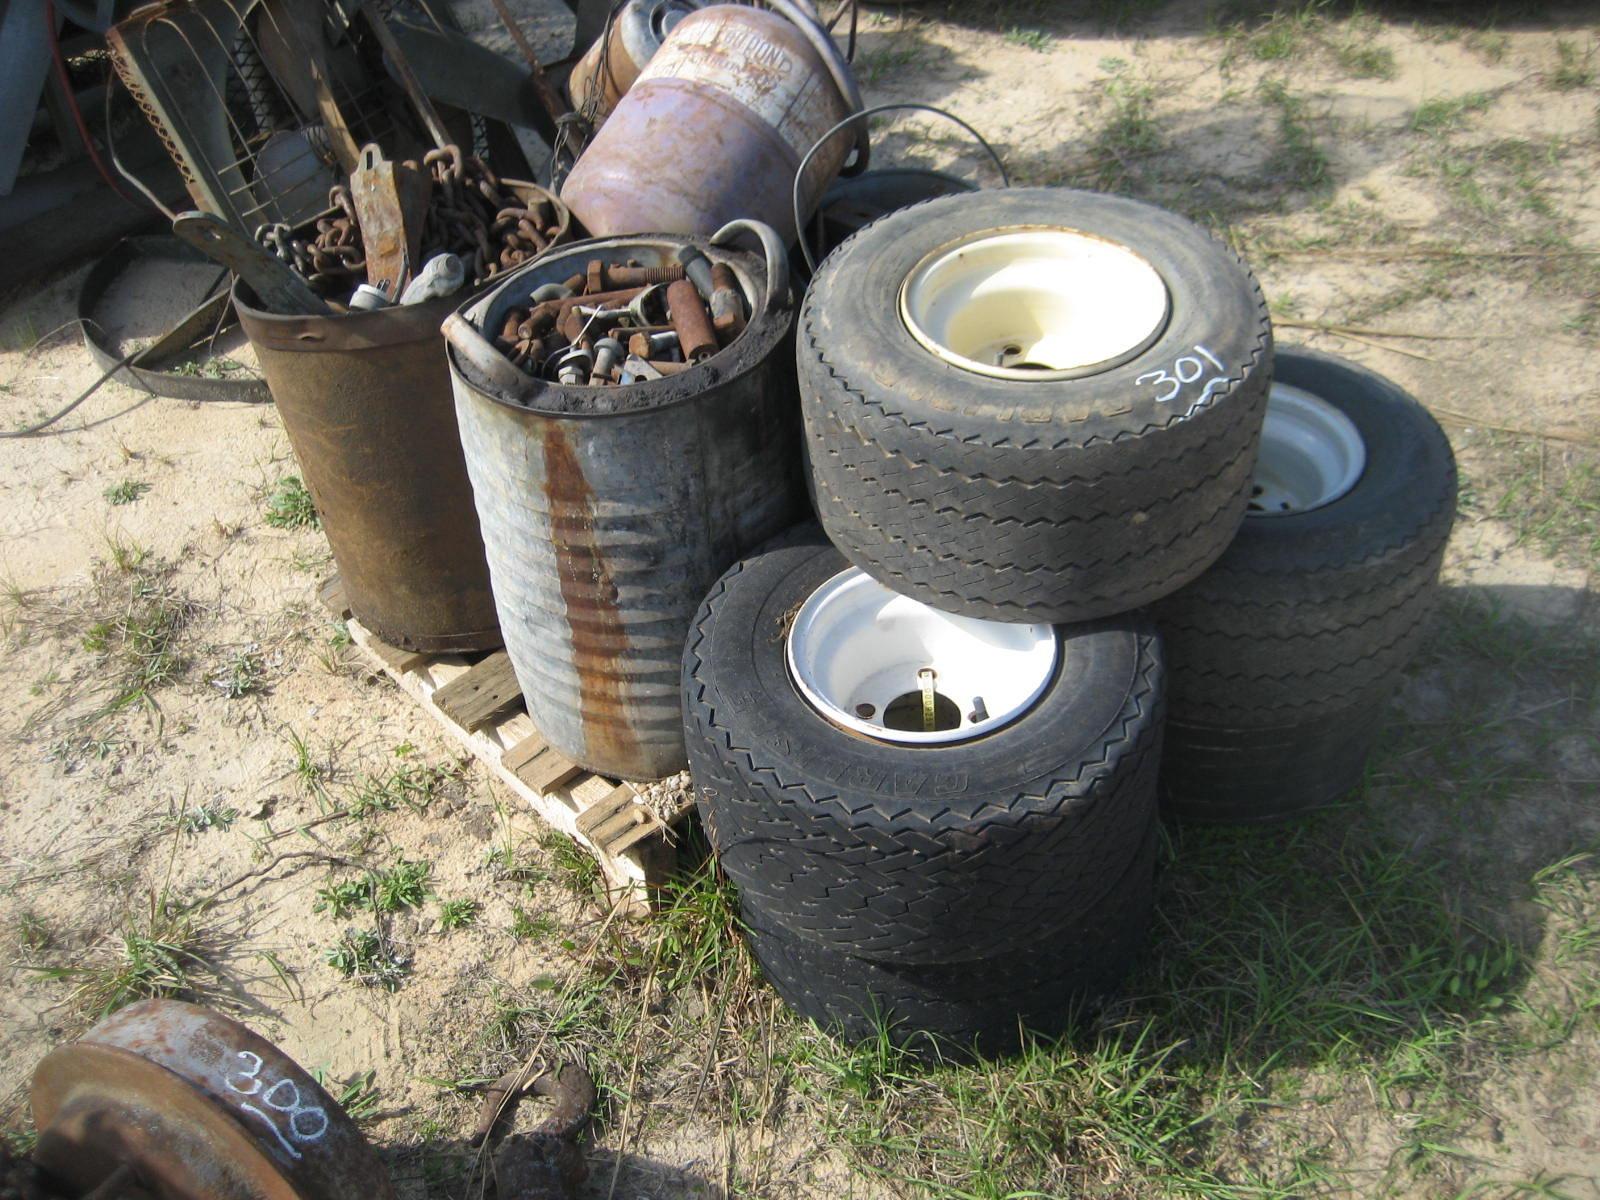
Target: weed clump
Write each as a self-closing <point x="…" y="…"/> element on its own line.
<point x="289" y="506"/>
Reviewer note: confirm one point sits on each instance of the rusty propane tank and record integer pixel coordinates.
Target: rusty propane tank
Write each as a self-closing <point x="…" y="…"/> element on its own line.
<point x="629" y="41"/>
<point x="716" y="125"/>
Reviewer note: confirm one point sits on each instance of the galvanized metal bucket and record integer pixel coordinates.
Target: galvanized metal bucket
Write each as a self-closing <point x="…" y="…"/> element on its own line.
<point x="608" y="513"/>
<point x="365" y="398"/>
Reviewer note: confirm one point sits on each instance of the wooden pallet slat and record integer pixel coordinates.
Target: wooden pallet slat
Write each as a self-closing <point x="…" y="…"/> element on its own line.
<point x="601" y="811"/>
<point x="333" y="597"/>
<point x="637" y="834"/>
<point x="523" y="752"/>
<point x="392" y="656"/>
<point x="549" y="770"/>
<point x="468" y="696"/>
<point x="482" y="693"/>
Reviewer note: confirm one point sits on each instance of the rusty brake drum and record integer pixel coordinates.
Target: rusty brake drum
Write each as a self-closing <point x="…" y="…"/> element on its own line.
<point x="200" y="1108"/>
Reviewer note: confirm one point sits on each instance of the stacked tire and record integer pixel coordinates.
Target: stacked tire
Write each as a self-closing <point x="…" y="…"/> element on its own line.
<point x="1285" y="653"/>
<point x="926" y="733"/>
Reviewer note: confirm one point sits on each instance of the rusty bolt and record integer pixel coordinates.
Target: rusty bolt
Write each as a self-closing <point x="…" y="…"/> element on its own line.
<point x="697" y="267"/>
<point x="665" y="367"/>
<point x="727" y="303"/>
<point x="572" y="368"/>
<point x="690" y="321"/>
<point x="608" y="352"/>
<point x="611" y="275"/>
<point x="558" y="308"/>
<point x="511" y="329"/>
<point x="648" y="343"/>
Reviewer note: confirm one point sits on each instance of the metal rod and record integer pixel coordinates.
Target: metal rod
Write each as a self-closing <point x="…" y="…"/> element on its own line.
<point x="548" y="96"/>
<point x="408" y="79"/>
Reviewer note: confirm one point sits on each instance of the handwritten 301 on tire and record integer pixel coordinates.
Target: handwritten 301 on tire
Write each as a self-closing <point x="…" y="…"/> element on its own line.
<point x="1033" y="405"/>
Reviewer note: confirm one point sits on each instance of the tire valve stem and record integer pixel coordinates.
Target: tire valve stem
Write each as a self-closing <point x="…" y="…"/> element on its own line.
<point x="925" y="678"/>
<point x="980" y="711"/>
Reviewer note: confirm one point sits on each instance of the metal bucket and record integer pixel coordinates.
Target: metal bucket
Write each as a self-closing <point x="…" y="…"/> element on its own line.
<point x="630" y="39"/>
<point x="608" y="513"/>
<point x="365" y="398"/>
<point x="715" y="127"/>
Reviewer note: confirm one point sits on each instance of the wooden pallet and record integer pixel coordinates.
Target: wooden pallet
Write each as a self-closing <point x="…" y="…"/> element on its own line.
<point x="475" y="696"/>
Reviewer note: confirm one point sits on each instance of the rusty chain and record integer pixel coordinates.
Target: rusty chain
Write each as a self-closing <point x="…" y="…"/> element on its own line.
<point x="470" y="214"/>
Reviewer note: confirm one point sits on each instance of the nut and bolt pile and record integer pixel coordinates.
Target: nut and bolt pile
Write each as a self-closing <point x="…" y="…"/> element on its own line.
<point x="624" y="323"/>
<point x="471" y="214"/>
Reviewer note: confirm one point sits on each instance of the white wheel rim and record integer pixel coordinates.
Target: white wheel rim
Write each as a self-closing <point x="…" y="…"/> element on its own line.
<point x="856" y="650"/>
<point x="1311" y="454"/>
<point x="1034" y="304"/>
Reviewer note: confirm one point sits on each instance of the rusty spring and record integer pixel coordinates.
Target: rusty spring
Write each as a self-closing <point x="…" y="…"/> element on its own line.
<point x="470" y="214"/>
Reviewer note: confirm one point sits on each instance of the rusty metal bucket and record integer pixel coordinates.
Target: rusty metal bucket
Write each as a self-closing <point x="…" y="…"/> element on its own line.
<point x="365" y="398"/>
<point x="608" y="513"/>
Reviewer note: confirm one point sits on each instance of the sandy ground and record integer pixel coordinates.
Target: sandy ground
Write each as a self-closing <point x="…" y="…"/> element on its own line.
<point x="93" y="804"/>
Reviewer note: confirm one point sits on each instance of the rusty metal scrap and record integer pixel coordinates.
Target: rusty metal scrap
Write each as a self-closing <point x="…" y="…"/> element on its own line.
<point x="654" y="316"/>
<point x="20" y="1179"/>
<point x="193" y="1105"/>
<point x="545" y="1163"/>
<point x="492" y="225"/>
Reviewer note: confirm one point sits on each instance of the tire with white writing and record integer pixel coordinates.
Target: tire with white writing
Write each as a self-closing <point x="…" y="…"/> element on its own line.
<point x="1285" y="653"/>
<point x="1033" y="405"/>
<point x="914" y="853"/>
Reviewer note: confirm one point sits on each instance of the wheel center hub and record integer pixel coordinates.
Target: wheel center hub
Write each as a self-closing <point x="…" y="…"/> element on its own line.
<point x="1034" y="304"/>
<point x="1311" y="454"/>
<point x="889" y="667"/>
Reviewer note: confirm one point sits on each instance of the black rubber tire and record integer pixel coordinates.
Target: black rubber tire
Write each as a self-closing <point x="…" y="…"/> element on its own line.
<point x="968" y="1007"/>
<point x="1041" y="500"/>
<point x="905" y="853"/>
<point x="1284" y="653"/>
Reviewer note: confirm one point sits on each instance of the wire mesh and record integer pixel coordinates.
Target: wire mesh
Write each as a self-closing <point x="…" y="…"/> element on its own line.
<point x="241" y="94"/>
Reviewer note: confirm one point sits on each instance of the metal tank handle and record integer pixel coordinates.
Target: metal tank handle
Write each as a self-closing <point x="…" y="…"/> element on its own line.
<point x="799" y="222"/>
<point x="481" y="353"/>
<point x="771" y="245"/>
<point x="821" y="41"/>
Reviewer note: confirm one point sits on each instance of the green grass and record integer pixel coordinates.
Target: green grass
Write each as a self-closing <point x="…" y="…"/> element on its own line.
<point x="1036" y="40"/>
<point x="409" y="784"/>
<point x="1574" y="67"/>
<point x="458" y="914"/>
<point x="32" y="934"/>
<point x="1277" y="34"/>
<point x="1547" y="493"/>
<point x="898" y="56"/>
<point x="240" y="676"/>
<point x="163" y="951"/>
<point x="126" y="492"/>
<point x="358" y="1096"/>
<point x="1298" y="159"/>
<point x="289" y="506"/>
<point x="369" y="958"/>
<point x="404" y="885"/>
<point x="1367" y="62"/>
<point x="526" y="927"/>
<point x="309" y="772"/>
<point x="571" y="865"/>
<point x="1443" y="113"/>
<point x="206" y="817"/>
<point x="133" y="622"/>
<point x="1128" y="130"/>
